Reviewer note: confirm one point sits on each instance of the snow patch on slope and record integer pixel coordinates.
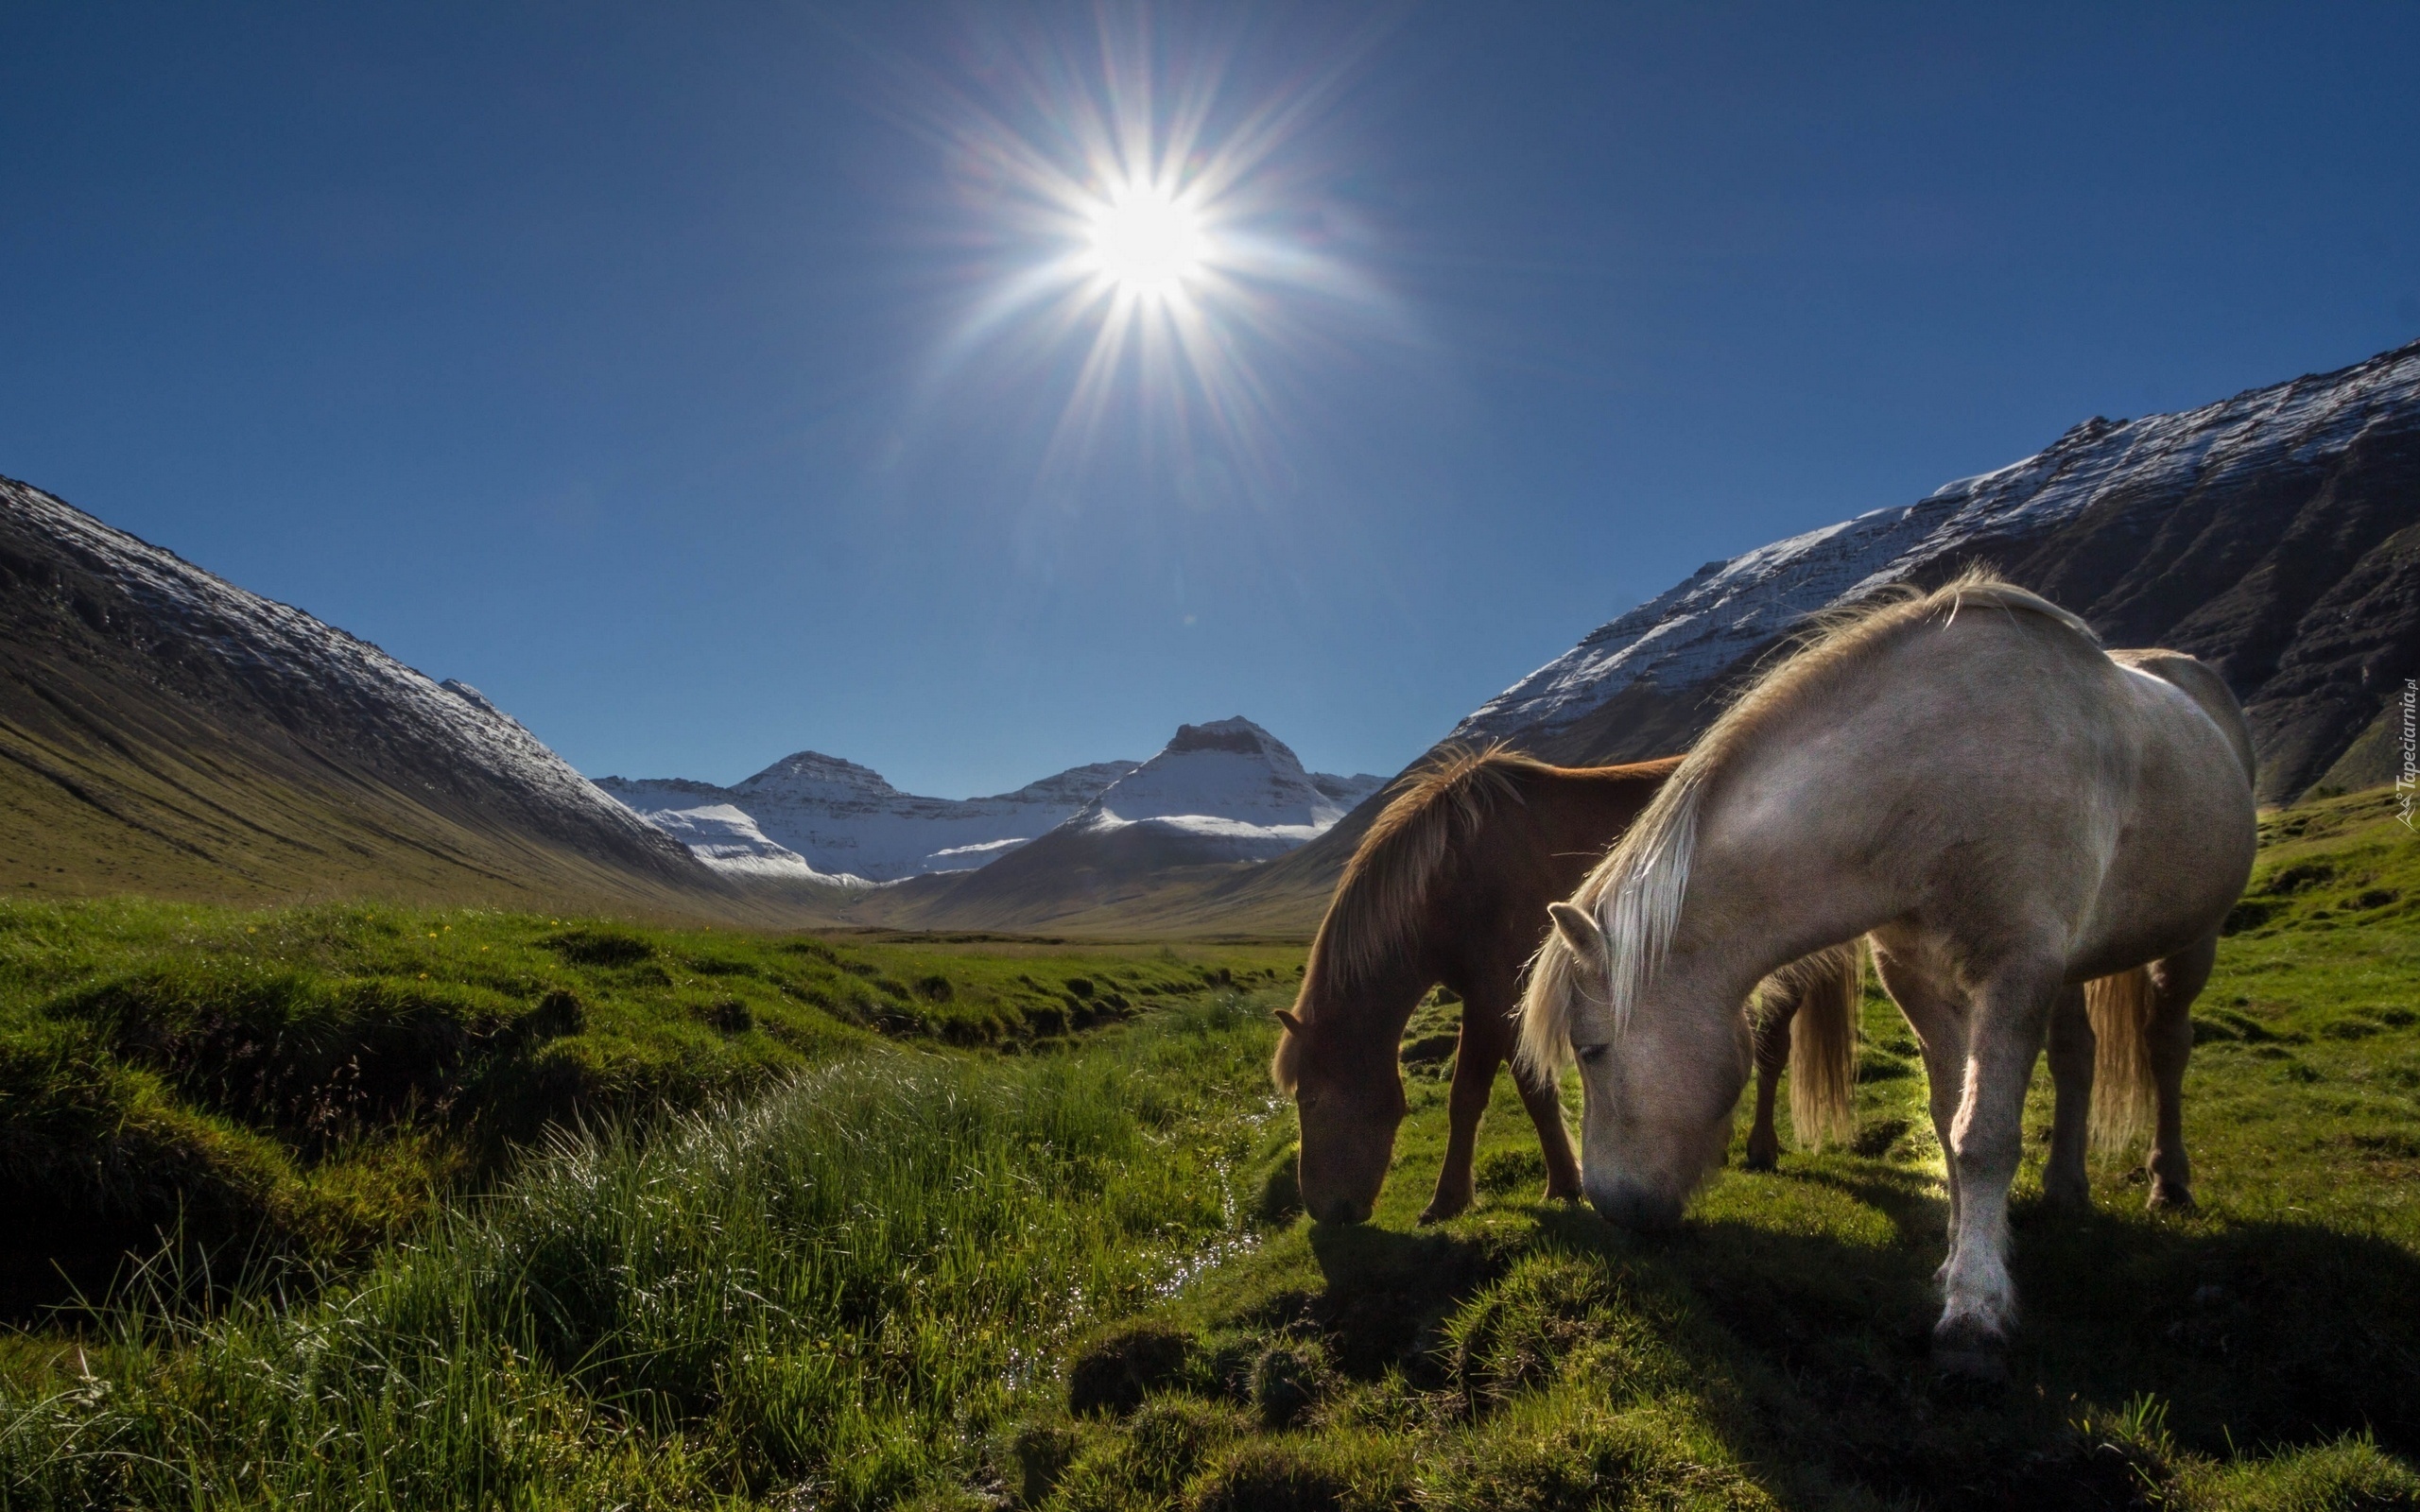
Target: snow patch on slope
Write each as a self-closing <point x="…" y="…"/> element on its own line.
<point x="728" y="840"/>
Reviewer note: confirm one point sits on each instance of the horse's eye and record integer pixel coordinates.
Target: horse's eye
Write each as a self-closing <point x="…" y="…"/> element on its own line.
<point x="1588" y="1054"/>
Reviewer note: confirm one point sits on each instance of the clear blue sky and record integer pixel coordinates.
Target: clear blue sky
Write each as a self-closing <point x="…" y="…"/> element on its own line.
<point x="625" y="361"/>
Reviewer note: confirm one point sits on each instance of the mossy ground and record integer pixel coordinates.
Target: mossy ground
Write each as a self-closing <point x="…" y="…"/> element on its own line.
<point x="827" y="1294"/>
<point x="301" y="1083"/>
<point x="953" y="1277"/>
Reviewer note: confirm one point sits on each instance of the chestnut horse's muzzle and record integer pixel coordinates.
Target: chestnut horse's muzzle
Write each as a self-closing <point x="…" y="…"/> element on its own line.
<point x="1343" y="1210"/>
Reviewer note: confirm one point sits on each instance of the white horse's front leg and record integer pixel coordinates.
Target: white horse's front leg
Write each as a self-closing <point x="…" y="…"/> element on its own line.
<point x="1944" y="1068"/>
<point x="1987" y="1141"/>
<point x="1938" y="1018"/>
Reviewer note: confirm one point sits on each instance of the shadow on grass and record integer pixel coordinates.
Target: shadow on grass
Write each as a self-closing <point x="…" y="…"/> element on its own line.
<point x="2254" y="1332"/>
<point x="1388" y="1291"/>
<point x="2256" y="1336"/>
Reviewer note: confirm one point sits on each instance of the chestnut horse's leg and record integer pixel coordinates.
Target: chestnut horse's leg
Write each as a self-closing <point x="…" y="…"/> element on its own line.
<point x="2065" y="1183"/>
<point x="2175" y="983"/>
<point x="1773" y="1053"/>
<point x="1543" y="1097"/>
<point x="1475" y="1065"/>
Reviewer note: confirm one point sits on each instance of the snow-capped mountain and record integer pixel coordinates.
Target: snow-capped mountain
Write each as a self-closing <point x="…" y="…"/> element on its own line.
<point x="2269" y="534"/>
<point x="213" y="739"/>
<point x="1231" y="785"/>
<point x="2275" y="534"/>
<point x="819" y="817"/>
<point x="1219" y="795"/>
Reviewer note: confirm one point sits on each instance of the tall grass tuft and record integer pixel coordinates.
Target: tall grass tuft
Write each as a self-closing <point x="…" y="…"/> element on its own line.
<point x="838" y="1288"/>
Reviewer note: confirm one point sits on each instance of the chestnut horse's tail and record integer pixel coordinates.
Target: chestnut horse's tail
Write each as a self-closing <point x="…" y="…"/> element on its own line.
<point x="2123" y="1090"/>
<point x="1825" y="991"/>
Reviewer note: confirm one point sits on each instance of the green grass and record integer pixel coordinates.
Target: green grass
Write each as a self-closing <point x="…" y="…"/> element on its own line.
<point x="304" y="1083"/>
<point x="837" y="1286"/>
<point x="1068" y="1278"/>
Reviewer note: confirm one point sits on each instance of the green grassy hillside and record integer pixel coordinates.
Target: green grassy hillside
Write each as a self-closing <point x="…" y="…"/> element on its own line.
<point x="868" y="1274"/>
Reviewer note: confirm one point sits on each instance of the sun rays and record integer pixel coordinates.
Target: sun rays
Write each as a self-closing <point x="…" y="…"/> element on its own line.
<point x="1158" y="256"/>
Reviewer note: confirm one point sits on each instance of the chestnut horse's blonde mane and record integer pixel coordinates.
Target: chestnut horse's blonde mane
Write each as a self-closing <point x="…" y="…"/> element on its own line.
<point x="1440" y="803"/>
<point x="1635" y="893"/>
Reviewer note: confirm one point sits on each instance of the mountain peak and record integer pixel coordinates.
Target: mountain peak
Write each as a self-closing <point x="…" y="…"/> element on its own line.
<point x="1230" y="775"/>
<point x="811" y="769"/>
<point x="1238" y="735"/>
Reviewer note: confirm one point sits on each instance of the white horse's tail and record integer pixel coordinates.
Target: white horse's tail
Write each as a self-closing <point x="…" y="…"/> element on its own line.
<point x="2123" y="1089"/>
<point x="1825" y="991"/>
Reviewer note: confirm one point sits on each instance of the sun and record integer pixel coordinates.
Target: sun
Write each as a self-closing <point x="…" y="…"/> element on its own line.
<point x="1147" y="241"/>
<point x="1154" y="243"/>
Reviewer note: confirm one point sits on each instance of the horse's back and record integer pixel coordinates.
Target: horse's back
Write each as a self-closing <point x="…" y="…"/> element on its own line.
<point x="2028" y="775"/>
<point x="2197" y="680"/>
<point x="2190" y="829"/>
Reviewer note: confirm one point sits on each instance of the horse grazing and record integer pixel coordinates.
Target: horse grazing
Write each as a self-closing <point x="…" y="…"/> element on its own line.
<point x="2007" y="812"/>
<point x="1451" y="885"/>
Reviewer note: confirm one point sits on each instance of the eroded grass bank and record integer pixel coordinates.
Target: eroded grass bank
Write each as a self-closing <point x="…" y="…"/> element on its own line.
<point x="827" y="1294"/>
<point x="299" y="1085"/>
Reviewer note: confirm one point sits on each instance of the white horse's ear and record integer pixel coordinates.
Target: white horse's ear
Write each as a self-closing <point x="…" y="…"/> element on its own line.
<point x="1294" y="1024"/>
<point x="1579" y="931"/>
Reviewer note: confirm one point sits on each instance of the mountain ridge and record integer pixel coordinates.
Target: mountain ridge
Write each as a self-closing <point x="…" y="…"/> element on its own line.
<point x="1220" y="798"/>
<point x="164" y="730"/>
<point x="2218" y="530"/>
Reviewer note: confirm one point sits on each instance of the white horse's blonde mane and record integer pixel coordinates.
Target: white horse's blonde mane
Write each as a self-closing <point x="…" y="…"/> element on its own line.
<point x="1636" y="892"/>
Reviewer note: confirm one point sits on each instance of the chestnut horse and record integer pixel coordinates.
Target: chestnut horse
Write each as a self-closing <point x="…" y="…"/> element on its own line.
<point x="1451" y="885"/>
<point x="2005" y="810"/>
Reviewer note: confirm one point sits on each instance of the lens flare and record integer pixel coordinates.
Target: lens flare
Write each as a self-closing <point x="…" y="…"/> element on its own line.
<point x="1160" y="243"/>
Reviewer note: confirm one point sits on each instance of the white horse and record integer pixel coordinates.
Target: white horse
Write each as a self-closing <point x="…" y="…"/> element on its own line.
<point x="2007" y="813"/>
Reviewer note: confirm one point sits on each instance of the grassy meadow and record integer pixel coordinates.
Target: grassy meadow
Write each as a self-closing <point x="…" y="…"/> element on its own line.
<point x="551" y="1213"/>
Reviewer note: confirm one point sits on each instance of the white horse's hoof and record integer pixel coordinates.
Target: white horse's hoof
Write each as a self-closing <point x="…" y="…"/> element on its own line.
<point x="1967" y="1351"/>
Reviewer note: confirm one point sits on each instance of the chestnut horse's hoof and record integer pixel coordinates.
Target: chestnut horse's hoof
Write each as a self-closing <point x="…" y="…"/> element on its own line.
<point x="1760" y="1160"/>
<point x="2071" y="1196"/>
<point x="2173" y="1196"/>
<point x="1571" y="1194"/>
<point x="1439" y="1210"/>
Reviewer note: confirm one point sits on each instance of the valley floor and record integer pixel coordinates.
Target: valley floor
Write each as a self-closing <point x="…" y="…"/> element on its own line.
<point x="881" y="1260"/>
